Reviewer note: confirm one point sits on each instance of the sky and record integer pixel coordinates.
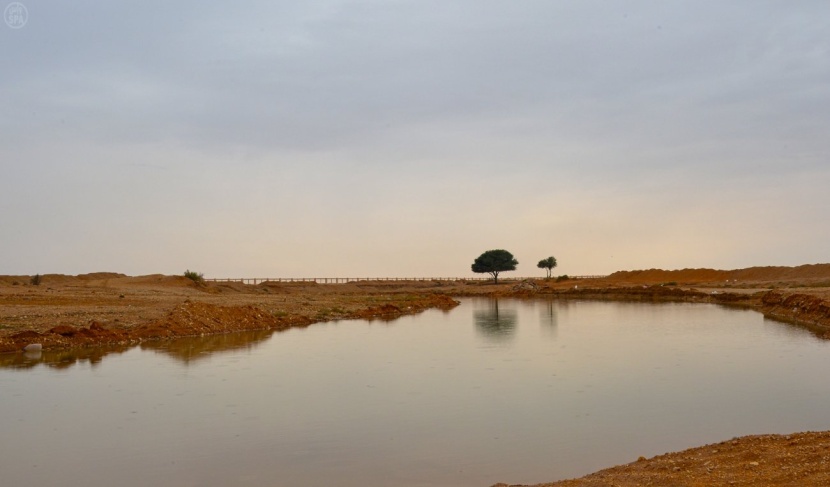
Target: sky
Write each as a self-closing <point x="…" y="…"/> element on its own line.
<point x="404" y="138"/>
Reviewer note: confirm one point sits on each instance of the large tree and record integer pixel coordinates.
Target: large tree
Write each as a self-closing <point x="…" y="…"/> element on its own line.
<point x="493" y="262"/>
<point x="548" y="264"/>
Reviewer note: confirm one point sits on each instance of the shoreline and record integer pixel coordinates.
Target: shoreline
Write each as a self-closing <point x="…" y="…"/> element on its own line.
<point x="103" y="312"/>
<point x="195" y="317"/>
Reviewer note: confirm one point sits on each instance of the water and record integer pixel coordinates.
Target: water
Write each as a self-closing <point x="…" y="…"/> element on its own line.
<point x="515" y="391"/>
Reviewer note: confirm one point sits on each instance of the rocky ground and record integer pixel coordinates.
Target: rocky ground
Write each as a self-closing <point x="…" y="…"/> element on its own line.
<point x="801" y="459"/>
<point x="82" y="312"/>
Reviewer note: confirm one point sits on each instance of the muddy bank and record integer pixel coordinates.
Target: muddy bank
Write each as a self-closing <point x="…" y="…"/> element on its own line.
<point x="199" y="318"/>
<point x="811" y="312"/>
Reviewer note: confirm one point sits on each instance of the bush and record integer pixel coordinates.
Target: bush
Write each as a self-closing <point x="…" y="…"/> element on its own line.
<point x="194" y="276"/>
<point x="35" y="280"/>
<point x="562" y="278"/>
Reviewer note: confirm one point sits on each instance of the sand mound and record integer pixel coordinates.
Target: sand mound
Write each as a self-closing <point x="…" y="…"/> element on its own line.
<point x="809" y="272"/>
<point x="61" y="279"/>
<point x="155" y="280"/>
<point x="803" y="272"/>
<point x="94" y="276"/>
<point x="14" y="280"/>
<point x="660" y="275"/>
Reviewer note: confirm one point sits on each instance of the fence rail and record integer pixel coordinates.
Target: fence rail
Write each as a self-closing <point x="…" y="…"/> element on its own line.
<point x="343" y="280"/>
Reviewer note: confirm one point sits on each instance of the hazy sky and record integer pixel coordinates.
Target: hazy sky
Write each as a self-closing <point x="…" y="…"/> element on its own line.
<point x="404" y="138"/>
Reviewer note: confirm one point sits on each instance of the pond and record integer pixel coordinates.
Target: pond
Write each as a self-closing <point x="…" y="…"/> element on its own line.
<point x="492" y="391"/>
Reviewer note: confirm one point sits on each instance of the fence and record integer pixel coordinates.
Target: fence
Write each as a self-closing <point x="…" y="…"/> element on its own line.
<point x="343" y="280"/>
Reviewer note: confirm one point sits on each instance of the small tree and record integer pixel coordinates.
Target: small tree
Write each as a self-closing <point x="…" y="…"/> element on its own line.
<point x="194" y="276"/>
<point x="548" y="264"/>
<point x="493" y="262"/>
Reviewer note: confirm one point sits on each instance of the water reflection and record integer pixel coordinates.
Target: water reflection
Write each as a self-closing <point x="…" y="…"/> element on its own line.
<point x="494" y="321"/>
<point x="549" y="318"/>
<point x="192" y="349"/>
<point x="548" y="315"/>
<point x="60" y="359"/>
<point x="371" y="404"/>
<point x="185" y="350"/>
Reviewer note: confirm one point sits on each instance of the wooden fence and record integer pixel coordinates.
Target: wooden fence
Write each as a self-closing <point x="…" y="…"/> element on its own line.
<point x="343" y="280"/>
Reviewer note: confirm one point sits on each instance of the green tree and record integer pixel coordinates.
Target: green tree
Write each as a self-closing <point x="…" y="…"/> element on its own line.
<point x="548" y="264"/>
<point x="493" y="262"/>
<point x="194" y="276"/>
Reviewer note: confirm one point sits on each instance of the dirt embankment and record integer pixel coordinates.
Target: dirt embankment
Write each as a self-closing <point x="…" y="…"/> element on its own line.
<point x="108" y="309"/>
<point x="812" y="312"/>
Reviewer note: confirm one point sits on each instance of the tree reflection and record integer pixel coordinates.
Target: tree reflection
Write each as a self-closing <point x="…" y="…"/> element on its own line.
<point x="494" y="322"/>
<point x="548" y="316"/>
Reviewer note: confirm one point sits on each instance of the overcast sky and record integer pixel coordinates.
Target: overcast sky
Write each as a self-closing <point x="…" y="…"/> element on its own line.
<point x="404" y="138"/>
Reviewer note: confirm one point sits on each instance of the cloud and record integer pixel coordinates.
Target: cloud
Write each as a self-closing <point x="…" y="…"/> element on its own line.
<point x="399" y="137"/>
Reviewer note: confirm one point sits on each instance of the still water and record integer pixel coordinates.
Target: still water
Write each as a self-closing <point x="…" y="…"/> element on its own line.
<point x="514" y="391"/>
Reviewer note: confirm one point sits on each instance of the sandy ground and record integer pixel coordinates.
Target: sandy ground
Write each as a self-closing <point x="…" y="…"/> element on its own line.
<point x="79" y="313"/>
<point x="74" y="311"/>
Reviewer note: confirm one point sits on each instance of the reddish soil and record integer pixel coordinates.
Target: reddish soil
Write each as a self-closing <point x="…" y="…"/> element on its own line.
<point x="801" y="459"/>
<point x="67" y="312"/>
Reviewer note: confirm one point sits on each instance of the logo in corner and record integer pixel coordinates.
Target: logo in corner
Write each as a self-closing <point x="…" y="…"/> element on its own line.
<point x="16" y="15"/>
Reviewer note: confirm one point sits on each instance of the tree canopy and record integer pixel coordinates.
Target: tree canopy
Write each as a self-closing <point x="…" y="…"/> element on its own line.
<point x="493" y="262"/>
<point x="548" y="264"/>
